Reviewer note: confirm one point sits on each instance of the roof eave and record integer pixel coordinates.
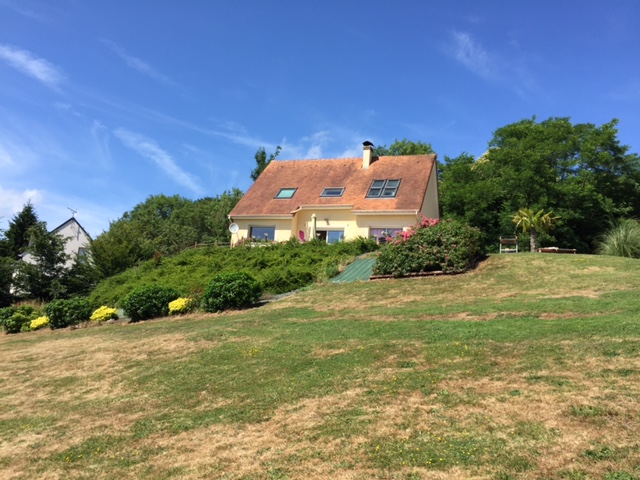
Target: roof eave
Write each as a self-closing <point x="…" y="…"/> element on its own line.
<point x="261" y="216"/>
<point x="386" y="212"/>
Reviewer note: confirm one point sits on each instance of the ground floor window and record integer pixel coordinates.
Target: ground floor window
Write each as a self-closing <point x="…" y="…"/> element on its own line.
<point x="263" y="233"/>
<point x="382" y="233"/>
<point x="330" y="236"/>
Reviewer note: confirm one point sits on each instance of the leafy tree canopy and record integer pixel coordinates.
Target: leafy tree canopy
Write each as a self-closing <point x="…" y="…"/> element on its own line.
<point x="580" y="171"/>
<point x="403" y="147"/>
<point x="162" y="225"/>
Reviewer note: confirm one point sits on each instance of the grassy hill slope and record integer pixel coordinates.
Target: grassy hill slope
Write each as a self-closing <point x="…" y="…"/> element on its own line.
<point x="527" y="367"/>
<point x="279" y="268"/>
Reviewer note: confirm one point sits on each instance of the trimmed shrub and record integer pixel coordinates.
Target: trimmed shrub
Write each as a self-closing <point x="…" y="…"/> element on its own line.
<point x="103" y="314"/>
<point x="55" y="310"/>
<point x="39" y="323"/>
<point x="65" y="313"/>
<point x="148" y="301"/>
<point x="17" y="319"/>
<point x="231" y="290"/>
<point x="18" y="322"/>
<point x="181" y="305"/>
<point x="449" y="246"/>
<point x="78" y="310"/>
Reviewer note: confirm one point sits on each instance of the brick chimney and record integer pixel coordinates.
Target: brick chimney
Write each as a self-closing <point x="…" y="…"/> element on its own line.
<point x="367" y="154"/>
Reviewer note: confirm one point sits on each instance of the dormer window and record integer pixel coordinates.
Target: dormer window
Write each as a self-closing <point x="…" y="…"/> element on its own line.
<point x="332" y="192"/>
<point x="383" y="189"/>
<point x="286" y="192"/>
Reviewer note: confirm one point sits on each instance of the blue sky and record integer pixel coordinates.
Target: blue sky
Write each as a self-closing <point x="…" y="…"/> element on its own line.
<point x="103" y="104"/>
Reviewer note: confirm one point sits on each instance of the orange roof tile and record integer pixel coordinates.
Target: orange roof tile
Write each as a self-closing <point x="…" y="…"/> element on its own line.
<point x="311" y="177"/>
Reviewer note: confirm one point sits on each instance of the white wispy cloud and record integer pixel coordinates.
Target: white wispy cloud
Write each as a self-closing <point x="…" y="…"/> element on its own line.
<point x="31" y="65"/>
<point x="100" y="135"/>
<point x="12" y="201"/>
<point x="5" y="157"/>
<point x="139" y="65"/>
<point x="474" y="56"/>
<point x="148" y="148"/>
<point x="334" y="142"/>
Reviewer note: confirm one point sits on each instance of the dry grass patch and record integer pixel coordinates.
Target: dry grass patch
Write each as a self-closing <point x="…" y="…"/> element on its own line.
<point x="242" y="451"/>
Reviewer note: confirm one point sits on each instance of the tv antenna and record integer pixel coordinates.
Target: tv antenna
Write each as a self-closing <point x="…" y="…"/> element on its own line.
<point x="73" y="212"/>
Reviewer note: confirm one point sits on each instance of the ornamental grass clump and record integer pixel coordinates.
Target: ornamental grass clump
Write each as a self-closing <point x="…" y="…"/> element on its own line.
<point x="432" y="245"/>
<point x="103" y="314"/>
<point x="621" y="240"/>
<point x="181" y="306"/>
<point x="39" y="323"/>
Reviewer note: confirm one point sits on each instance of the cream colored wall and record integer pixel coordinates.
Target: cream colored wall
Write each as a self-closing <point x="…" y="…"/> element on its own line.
<point x="366" y="222"/>
<point x="283" y="228"/>
<point x="352" y="226"/>
<point x="431" y="206"/>
<point x="337" y="220"/>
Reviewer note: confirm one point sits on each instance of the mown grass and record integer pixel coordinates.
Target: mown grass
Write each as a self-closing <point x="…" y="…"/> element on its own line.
<point x="527" y="367"/>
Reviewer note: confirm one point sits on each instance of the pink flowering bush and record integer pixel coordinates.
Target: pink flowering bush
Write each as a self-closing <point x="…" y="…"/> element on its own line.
<point x="431" y="245"/>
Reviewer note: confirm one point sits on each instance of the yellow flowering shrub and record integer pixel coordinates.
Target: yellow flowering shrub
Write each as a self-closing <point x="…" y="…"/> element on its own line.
<point x="181" y="305"/>
<point x="103" y="314"/>
<point x="39" y="322"/>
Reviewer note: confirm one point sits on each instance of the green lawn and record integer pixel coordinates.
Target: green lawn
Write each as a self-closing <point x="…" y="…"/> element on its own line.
<point x="527" y="367"/>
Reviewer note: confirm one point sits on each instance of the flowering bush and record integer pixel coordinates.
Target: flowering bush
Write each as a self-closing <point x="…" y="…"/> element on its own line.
<point x="39" y="323"/>
<point x="431" y="245"/>
<point x="181" y="305"/>
<point x="103" y="314"/>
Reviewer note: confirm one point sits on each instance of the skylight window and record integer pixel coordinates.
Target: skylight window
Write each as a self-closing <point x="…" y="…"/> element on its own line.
<point x="286" y="192"/>
<point x="383" y="189"/>
<point x="332" y="192"/>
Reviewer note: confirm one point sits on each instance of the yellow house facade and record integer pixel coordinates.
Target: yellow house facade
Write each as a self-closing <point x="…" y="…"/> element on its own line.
<point x="337" y="199"/>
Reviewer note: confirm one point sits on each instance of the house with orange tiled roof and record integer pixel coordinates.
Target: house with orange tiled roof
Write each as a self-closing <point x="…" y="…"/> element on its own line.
<point x="335" y="199"/>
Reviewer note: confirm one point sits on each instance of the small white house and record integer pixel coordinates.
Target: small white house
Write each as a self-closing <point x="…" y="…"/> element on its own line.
<point x="76" y="244"/>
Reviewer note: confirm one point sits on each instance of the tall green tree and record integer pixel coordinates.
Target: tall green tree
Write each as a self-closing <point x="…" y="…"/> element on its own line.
<point x="580" y="171"/>
<point x="40" y="275"/>
<point x="18" y="232"/>
<point x="403" y="147"/>
<point x="6" y="280"/>
<point x="262" y="161"/>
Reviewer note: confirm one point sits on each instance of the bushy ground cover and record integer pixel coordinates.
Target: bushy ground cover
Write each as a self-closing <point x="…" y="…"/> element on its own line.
<point x="279" y="268"/>
<point x="526" y="367"/>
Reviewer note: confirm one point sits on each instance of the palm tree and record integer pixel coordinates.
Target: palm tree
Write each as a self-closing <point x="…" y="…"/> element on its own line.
<point x="534" y="223"/>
